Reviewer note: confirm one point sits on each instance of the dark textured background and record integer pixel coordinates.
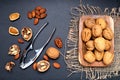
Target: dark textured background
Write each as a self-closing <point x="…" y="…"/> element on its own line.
<point x="58" y="16"/>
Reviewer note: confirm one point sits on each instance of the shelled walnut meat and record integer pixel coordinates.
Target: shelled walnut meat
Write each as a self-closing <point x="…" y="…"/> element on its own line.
<point x="38" y="13"/>
<point x="14" y="50"/>
<point x="58" y="42"/>
<point x="26" y="33"/>
<point x="9" y="66"/>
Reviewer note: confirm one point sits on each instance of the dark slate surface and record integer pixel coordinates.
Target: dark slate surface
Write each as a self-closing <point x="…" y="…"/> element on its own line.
<point x="58" y="16"/>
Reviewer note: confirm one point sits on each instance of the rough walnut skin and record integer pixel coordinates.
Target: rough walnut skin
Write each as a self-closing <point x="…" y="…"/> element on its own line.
<point x="99" y="55"/>
<point x="108" y="58"/>
<point x="86" y="34"/>
<point x="90" y="45"/>
<point x="107" y="44"/>
<point x="101" y="22"/>
<point x="96" y="30"/>
<point x="107" y="33"/>
<point x="90" y="22"/>
<point x="99" y="44"/>
<point x="89" y="56"/>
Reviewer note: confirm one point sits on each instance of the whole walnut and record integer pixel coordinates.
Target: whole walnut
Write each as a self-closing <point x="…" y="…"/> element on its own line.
<point x="101" y="22"/>
<point x="107" y="44"/>
<point x="86" y="34"/>
<point x="99" y="55"/>
<point x="99" y="43"/>
<point x="89" y="56"/>
<point x="90" y="45"/>
<point x="108" y="58"/>
<point x="96" y="30"/>
<point x="107" y="33"/>
<point x="89" y="23"/>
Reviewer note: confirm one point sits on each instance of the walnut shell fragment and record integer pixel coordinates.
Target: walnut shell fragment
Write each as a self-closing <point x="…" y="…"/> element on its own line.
<point x="9" y="66"/>
<point x="26" y="33"/>
<point x="13" y="30"/>
<point x="14" y="16"/>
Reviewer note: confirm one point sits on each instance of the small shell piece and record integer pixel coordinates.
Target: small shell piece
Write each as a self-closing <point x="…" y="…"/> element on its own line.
<point x="14" y="49"/>
<point x="43" y="65"/>
<point x="26" y="33"/>
<point x="13" y="30"/>
<point x="14" y="16"/>
<point x="9" y="66"/>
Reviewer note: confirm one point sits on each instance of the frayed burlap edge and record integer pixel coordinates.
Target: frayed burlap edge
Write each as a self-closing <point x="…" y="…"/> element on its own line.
<point x="71" y="47"/>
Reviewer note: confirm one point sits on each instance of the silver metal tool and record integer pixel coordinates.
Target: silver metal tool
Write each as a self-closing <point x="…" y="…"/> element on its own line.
<point x="30" y="45"/>
<point x="24" y="65"/>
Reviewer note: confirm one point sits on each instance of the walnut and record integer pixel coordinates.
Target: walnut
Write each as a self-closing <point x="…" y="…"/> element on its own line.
<point x="86" y="34"/>
<point x="96" y="30"/>
<point x="89" y="56"/>
<point x="9" y="65"/>
<point x="26" y="33"/>
<point x="90" y="45"/>
<point x="101" y="22"/>
<point x="108" y="58"/>
<point x="14" y="50"/>
<point x="107" y="44"/>
<point x="43" y="65"/>
<point x="99" y="55"/>
<point x="99" y="44"/>
<point x="107" y="33"/>
<point x="90" y="22"/>
<point x="53" y="53"/>
<point x="58" y="42"/>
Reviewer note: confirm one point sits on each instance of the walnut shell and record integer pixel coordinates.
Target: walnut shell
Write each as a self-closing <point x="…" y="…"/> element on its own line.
<point x="108" y="44"/>
<point x="101" y="22"/>
<point x="53" y="53"/>
<point x="89" y="57"/>
<point x="107" y="33"/>
<point x="26" y="33"/>
<point x="99" y="44"/>
<point x="89" y="23"/>
<point x="99" y="55"/>
<point x="108" y="58"/>
<point x="96" y="30"/>
<point x="86" y="34"/>
<point x="90" y="45"/>
<point x="43" y="65"/>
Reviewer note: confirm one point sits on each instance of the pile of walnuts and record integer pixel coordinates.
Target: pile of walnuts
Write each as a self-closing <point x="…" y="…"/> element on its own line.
<point x="97" y="37"/>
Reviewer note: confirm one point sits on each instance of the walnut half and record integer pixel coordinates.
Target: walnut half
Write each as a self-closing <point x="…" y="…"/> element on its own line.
<point x="26" y="33"/>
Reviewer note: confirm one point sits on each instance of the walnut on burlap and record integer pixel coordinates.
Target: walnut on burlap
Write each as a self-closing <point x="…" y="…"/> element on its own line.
<point x="71" y="47"/>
